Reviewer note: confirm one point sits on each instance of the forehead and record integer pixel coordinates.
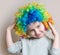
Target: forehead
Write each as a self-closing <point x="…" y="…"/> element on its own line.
<point x="34" y="24"/>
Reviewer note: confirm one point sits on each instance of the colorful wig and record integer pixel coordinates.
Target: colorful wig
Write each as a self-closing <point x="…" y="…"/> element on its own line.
<point x="31" y="13"/>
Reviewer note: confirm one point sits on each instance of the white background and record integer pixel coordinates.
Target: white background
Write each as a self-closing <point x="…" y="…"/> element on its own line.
<point x="8" y="9"/>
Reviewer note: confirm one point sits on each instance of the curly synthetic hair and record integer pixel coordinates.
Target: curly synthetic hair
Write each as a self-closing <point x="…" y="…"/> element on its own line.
<point x="31" y="13"/>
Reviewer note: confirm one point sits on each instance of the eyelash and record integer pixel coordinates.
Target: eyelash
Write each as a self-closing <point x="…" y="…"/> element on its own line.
<point x="38" y="26"/>
<point x="31" y="31"/>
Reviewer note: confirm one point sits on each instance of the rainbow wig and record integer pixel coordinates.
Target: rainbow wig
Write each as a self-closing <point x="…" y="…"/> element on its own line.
<point x="31" y="13"/>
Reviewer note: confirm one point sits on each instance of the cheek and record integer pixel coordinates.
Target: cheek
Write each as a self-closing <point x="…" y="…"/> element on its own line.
<point x="42" y="28"/>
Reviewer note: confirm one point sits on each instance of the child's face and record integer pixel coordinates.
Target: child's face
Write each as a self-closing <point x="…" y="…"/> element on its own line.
<point x="36" y="29"/>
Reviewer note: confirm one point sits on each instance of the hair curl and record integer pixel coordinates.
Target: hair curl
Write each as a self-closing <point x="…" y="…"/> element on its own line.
<point x="31" y="13"/>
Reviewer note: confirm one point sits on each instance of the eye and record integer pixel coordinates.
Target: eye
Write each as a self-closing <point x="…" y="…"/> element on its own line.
<point x="31" y="31"/>
<point x="38" y="26"/>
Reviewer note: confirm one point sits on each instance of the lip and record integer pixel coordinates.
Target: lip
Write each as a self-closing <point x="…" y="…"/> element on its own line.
<point x="38" y="34"/>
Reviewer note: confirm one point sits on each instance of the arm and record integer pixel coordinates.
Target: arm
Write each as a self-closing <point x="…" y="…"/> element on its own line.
<point x="12" y="47"/>
<point x="9" y="40"/>
<point x="56" y="40"/>
<point x="55" y="50"/>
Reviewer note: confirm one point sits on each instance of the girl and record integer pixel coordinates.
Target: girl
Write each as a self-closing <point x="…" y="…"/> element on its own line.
<point x="31" y="26"/>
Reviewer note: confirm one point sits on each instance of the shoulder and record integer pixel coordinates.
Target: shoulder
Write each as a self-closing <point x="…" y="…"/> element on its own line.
<point x="49" y="40"/>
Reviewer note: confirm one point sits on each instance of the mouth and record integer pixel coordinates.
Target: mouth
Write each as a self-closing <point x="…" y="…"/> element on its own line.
<point x="38" y="34"/>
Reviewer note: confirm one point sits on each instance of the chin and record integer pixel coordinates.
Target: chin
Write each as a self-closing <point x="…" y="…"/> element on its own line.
<point x="40" y="36"/>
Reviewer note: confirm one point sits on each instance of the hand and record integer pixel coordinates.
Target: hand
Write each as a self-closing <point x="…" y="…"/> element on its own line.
<point x="9" y="39"/>
<point x="54" y="32"/>
<point x="11" y="27"/>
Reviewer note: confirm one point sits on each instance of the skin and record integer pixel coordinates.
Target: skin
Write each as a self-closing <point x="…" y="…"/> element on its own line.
<point x="36" y="30"/>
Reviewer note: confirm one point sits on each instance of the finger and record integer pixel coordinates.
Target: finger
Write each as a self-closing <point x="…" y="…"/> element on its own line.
<point x="52" y="29"/>
<point x="13" y="25"/>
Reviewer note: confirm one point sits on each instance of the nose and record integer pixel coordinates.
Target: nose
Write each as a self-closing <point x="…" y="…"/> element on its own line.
<point x="37" y="33"/>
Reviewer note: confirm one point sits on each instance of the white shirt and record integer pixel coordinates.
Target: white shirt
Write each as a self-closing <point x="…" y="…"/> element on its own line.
<point x="42" y="46"/>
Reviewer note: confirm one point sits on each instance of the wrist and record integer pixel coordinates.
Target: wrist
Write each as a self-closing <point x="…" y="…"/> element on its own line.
<point x="8" y="29"/>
